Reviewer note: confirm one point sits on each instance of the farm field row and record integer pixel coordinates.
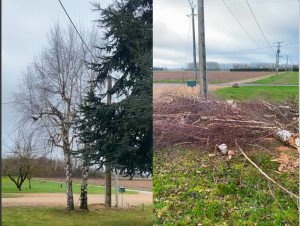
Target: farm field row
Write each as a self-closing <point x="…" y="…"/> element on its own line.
<point x="213" y="76"/>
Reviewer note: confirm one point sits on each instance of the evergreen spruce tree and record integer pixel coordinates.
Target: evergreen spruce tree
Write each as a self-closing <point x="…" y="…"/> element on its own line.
<point x="121" y="133"/>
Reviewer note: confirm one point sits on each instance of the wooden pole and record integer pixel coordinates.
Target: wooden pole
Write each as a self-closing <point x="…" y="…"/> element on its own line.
<point x="107" y="164"/>
<point x="202" y="51"/>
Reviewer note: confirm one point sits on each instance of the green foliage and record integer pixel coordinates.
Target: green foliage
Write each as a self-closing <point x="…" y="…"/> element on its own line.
<point x="121" y="133"/>
<point x="52" y="215"/>
<point x="269" y="93"/>
<point x="49" y="187"/>
<point x="191" y="188"/>
<point x="128" y="36"/>
<point x="287" y="78"/>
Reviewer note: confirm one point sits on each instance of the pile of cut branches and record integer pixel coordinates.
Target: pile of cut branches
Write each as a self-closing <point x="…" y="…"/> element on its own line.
<point x="183" y="120"/>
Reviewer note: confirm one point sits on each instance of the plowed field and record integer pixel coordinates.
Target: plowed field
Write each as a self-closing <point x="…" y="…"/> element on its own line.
<point x="216" y="76"/>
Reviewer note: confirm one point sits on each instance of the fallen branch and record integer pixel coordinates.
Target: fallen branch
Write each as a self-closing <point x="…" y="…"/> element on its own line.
<point x="264" y="174"/>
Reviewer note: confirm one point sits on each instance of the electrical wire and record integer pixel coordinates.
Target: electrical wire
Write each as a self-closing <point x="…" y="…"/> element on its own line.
<point x="259" y="26"/>
<point x="247" y="23"/>
<point x="77" y="31"/>
<point x="238" y="51"/>
<point x="187" y="44"/>
<point x="240" y="23"/>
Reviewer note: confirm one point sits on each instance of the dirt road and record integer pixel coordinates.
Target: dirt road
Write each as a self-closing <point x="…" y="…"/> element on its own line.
<point x="59" y="199"/>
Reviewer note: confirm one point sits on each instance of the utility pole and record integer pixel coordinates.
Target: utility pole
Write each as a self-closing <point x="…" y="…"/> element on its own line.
<point x="107" y="163"/>
<point x="277" y="58"/>
<point x="193" y="6"/>
<point x="202" y="52"/>
<point x="116" y="187"/>
<point x="286" y="65"/>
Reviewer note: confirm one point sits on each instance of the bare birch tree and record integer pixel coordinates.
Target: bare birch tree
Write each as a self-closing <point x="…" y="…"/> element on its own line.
<point x="51" y="90"/>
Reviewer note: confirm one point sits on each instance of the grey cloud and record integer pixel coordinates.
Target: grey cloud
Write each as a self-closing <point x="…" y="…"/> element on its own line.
<point x="224" y="35"/>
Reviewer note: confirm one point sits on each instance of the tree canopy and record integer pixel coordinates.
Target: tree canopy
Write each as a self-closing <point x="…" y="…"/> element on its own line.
<point x="121" y="133"/>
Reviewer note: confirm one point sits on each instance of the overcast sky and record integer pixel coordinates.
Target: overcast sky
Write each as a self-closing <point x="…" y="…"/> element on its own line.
<point x="225" y="38"/>
<point x="25" y="25"/>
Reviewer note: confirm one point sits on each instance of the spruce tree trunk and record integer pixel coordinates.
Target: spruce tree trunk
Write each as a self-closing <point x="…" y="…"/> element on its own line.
<point x="70" y="202"/>
<point x="107" y="185"/>
<point x="84" y="184"/>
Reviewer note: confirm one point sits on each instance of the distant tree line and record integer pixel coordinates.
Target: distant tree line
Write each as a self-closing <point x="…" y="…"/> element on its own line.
<point x="159" y="69"/>
<point x="215" y="66"/>
<point x="46" y="167"/>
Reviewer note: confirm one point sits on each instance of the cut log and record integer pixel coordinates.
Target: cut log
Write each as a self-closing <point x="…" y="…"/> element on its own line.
<point x="287" y="137"/>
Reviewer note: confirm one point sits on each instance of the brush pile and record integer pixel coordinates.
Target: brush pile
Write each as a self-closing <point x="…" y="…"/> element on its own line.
<point x="183" y="120"/>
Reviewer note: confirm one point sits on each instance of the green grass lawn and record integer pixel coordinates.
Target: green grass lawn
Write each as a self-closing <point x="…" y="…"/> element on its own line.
<point x="194" y="189"/>
<point x="49" y="187"/>
<point x="288" y="78"/>
<point x="269" y="93"/>
<point x="58" y="216"/>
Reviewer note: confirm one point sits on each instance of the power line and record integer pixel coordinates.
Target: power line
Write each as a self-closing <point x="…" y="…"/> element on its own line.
<point x="187" y="43"/>
<point x="240" y="23"/>
<point x="77" y="31"/>
<point x="247" y="24"/>
<point x="259" y="26"/>
<point x="238" y="51"/>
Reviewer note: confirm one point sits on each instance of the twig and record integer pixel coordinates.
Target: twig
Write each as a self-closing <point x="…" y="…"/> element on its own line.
<point x="264" y="174"/>
<point x="278" y="203"/>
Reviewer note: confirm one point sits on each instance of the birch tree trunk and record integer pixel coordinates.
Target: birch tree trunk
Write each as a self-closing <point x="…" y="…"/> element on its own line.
<point x="287" y="137"/>
<point x="84" y="184"/>
<point x="70" y="202"/>
<point x="107" y="185"/>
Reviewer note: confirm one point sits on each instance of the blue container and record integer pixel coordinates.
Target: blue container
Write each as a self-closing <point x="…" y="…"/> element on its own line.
<point x="122" y="190"/>
<point x="191" y="83"/>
